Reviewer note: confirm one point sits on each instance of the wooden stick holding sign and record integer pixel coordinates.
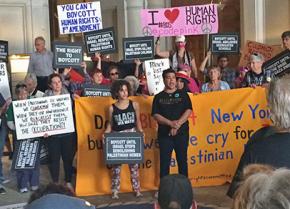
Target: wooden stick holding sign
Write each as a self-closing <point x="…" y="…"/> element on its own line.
<point x="124" y="148"/>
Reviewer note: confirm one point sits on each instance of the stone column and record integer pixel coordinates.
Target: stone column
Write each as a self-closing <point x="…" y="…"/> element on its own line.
<point x="133" y="19"/>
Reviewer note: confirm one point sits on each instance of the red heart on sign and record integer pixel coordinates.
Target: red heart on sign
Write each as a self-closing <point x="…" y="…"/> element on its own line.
<point x="171" y="15"/>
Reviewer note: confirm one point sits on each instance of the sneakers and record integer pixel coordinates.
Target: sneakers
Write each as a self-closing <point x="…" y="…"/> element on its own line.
<point x="23" y="190"/>
<point x="2" y="190"/>
<point x="115" y="195"/>
<point x="3" y="180"/>
<point x="34" y="188"/>
<point x="70" y="186"/>
<point x="139" y="194"/>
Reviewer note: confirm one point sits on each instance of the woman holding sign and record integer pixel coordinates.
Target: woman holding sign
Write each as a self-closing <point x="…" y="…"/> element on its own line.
<point x="62" y="145"/>
<point x="124" y="117"/>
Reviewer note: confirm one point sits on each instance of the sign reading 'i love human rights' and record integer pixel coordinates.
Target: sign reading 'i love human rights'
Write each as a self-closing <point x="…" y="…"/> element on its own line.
<point x="188" y="20"/>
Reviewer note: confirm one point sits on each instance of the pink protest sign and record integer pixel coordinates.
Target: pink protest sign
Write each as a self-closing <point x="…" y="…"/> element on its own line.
<point x="188" y="20"/>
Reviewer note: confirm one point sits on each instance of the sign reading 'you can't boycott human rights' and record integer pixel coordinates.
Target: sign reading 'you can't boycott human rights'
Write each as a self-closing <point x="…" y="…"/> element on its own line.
<point x="188" y="20"/>
<point x="78" y="18"/>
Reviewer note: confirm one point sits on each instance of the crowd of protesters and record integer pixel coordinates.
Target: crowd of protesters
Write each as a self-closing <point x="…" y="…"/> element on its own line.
<point x="183" y="77"/>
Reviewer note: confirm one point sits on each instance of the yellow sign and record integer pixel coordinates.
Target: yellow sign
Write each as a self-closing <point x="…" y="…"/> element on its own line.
<point x="220" y="126"/>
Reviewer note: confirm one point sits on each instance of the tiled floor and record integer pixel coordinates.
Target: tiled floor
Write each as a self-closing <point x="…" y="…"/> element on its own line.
<point x="206" y="196"/>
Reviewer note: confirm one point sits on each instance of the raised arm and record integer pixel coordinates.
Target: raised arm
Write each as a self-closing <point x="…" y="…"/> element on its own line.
<point x="164" y="54"/>
<point x="205" y="60"/>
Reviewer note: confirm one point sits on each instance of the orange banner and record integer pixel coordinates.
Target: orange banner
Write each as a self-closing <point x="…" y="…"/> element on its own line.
<point x="220" y="126"/>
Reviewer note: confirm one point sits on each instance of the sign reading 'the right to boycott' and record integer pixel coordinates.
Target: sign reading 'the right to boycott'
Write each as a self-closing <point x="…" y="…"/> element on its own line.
<point x="153" y="70"/>
<point x="124" y="148"/>
<point x="46" y="115"/>
<point x="102" y="41"/>
<point x="280" y="64"/>
<point x="67" y="54"/>
<point x="138" y="48"/>
<point x="225" y="43"/>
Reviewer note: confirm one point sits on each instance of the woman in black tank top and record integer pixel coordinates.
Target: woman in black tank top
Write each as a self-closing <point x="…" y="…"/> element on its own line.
<point x="124" y="117"/>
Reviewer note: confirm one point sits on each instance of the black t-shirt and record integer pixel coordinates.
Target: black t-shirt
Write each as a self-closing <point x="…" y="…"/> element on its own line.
<point x="171" y="106"/>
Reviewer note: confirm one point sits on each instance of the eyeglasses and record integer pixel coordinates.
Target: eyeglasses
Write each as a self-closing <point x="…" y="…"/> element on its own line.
<point x="116" y="73"/>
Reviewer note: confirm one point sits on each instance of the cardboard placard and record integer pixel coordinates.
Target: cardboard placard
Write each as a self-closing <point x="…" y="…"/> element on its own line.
<point x="79" y="18"/>
<point x="138" y="48"/>
<point x="187" y="20"/>
<point x="46" y="115"/>
<point x="225" y="43"/>
<point x="251" y="47"/>
<point x="4" y="83"/>
<point x="279" y="65"/>
<point x="124" y="148"/>
<point x="102" y="41"/>
<point x="3" y="51"/>
<point x="153" y="71"/>
<point x="26" y="156"/>
<point x="97" y="90"/>
<point x="67" y="54"/>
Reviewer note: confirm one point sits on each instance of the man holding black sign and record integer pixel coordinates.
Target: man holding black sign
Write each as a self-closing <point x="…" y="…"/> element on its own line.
<point x="40" y="63"/>
<point x="171" y="109"/>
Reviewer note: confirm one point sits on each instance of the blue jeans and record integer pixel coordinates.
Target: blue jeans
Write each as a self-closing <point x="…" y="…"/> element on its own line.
<point x="3" y="135"/>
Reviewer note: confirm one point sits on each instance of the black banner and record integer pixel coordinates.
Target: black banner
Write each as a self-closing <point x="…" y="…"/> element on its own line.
<point x="26" y="155"/>
<point x="124" y="148"/>
<point x="4" y="51"/>
<point x="225" y="43"/>
<point x="279" y="65"/>
<point x="102" y="41"/>
<point x="96" y="90"/>
<point x="138" y="48"/>
<point x="67" y="54"/>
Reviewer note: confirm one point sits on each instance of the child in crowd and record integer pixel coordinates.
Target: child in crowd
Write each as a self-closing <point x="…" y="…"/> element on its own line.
<point x="120" y="91"/>
<point x="24" y="177"/>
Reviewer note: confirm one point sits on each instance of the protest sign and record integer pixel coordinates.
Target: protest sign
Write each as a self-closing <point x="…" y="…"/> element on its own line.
<point x="187" y="20"/>
<point x="26" y="154"/>
<point x="218" y="132"/>
<point x="279" y="65"/>
<point x="153" y="71"/>
<point x="96" y="90"/>
<point x="251" y="47"/>
<point x="67" y="54"/>
<point x="3" y="51"/>
<point x="46" y="115"/>
<point x="138" y="48"/>
<point x="102" y="41"/>
<point x="123" y="148"/>
<point x="4" y="83"/>
<point x="225" y="43"/>
<point x="79" y="18"/>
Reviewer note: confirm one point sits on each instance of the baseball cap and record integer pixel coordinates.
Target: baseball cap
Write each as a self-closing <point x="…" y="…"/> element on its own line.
<point x="175" y="188"/>
<point x="59" y="201"/>
<point x="182" y="74"/>
<point x="180" y="39"/>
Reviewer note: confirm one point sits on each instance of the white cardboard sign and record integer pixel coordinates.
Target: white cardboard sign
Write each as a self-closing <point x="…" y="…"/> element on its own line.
<point x="46" y="115"/>
<point x="79" y="18"/>
<point x="154" y="69"/>
<point x="4" y="83"/>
